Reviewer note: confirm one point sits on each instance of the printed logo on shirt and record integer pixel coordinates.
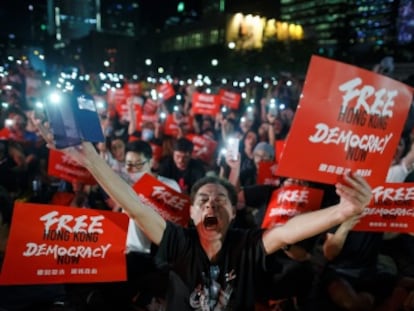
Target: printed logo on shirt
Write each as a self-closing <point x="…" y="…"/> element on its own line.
<point x="210" y="295"/>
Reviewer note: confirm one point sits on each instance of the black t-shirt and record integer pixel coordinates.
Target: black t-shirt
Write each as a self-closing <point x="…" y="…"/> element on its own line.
<point x="360" y="251"/>
<point x="235" y="271"/>
<point x="185" y="178"/>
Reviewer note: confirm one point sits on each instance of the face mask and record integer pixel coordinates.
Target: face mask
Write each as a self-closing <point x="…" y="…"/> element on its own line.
<point x="134" y="177"/>
<point x="147" y="134"/>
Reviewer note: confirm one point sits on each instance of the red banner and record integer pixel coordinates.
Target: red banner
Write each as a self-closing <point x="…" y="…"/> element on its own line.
<point x="390" y="210"/>
<point x="204" y="147"/>
<point x="63" y="167"/>
<point x="348" y="119"/>
<point x="203" y="103"/>
<point x="230" y="99"/>
<point x="59" y="244"/>
<point x="289" y="201"/>
<point x="170" y="204"/>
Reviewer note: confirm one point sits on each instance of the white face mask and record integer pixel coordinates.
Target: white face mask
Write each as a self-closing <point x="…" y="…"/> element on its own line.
<point x="134" y="177"/>
<point x="147" y="134"/>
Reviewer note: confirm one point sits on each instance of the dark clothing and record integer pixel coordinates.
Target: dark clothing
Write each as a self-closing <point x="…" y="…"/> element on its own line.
<point x="258" y="197"/>
<point x="280" y="280"/>
<point x="357" y="264"/>
<point x="185" y="178"/>
<point x="248" y="171"/>
<point x="240" y="260"/>
<point x="360" y="251"/>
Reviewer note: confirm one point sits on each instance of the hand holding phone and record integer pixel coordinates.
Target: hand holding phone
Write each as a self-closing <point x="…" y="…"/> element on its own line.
<point x="233" y="148"/>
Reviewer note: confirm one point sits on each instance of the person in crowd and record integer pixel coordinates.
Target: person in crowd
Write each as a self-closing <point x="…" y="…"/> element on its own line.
<point x="79" y="194"/>
<point x="145" y="280"/>
<point x="12" y="167"/>
<point x="181" y="167"/>
<point x="352" y="276"/>
<point x="113" y="151"/>
<point x="247" y="166"/>
<point x="354" y="273"/>
<point x="402" y="164"/>
<point x="287" y="265"/>
<point x="216" y="264"/>
<point x="262" y="152"/>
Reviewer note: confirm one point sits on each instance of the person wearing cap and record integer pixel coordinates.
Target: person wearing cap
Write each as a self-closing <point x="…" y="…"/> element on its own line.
<point x="263" y="151"/>
<point x="181" y="167"/>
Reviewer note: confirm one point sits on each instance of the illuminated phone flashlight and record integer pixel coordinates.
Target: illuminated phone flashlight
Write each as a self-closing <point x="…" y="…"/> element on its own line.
<point x="223" y="151"/>
<point x="282" y="106"/>
<point x="272" y="107"/>
<point x="100" y="104"/>
<point x="178" y="97"/>
<point x="249" y="113"/>
<point x="154" y="94"/>
<point x="8" y="122"/>
<point x="163" y="115"/>
<point x="4" y="105"/>
<point x="55" y="98"/>
<point x="39" y="105"/>
<point x="176" y="109"/>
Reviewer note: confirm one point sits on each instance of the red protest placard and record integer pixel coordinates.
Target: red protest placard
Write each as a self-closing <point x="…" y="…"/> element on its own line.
<point x="116" y="96"/>
<point x="134" y="88"/>
<point x="266" y="174"/>
<point x="230" y="99"/>
<point x="62" y="166"/>
<point x="289" y="201"/>
<point x="204" y="147"/>
<point x="166" y="91"/>
<point x="175" y="121"/>
<point x="59" y="244"/>
<point x="203" y="103"/>
<point x="348" y="118"/>
<point x="279" y="146"/>
<point x="170" y="204"/>
<point x="390" y="210"/>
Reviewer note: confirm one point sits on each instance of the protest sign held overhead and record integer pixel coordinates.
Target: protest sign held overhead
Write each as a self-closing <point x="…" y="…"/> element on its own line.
<point x="348" y="119"/>
<point x="58" y="244"/>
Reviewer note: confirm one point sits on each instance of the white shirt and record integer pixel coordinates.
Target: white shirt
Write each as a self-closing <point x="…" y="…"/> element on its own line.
<point x="397" y="173"/>
<point x="136" y="239"/>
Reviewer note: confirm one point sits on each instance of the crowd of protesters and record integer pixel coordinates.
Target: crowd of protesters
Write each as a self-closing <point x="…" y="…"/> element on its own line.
<point x="339" y="270"/>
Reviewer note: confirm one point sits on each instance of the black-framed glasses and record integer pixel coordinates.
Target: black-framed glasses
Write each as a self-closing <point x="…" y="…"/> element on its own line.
<point x="136" y="165"/>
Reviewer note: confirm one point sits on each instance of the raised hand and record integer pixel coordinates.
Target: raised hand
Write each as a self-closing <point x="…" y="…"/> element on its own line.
<point x="355" y="194"/>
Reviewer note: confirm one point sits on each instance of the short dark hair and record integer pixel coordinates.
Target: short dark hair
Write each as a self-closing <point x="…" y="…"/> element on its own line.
<point x="231" y="190"/>
<point x="184" y="145"/>
<point x="139" y="146"/>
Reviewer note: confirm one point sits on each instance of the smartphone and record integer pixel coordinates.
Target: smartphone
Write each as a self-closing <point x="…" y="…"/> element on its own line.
<point x="272" y="108"/>
<point x="233" y="147"/>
